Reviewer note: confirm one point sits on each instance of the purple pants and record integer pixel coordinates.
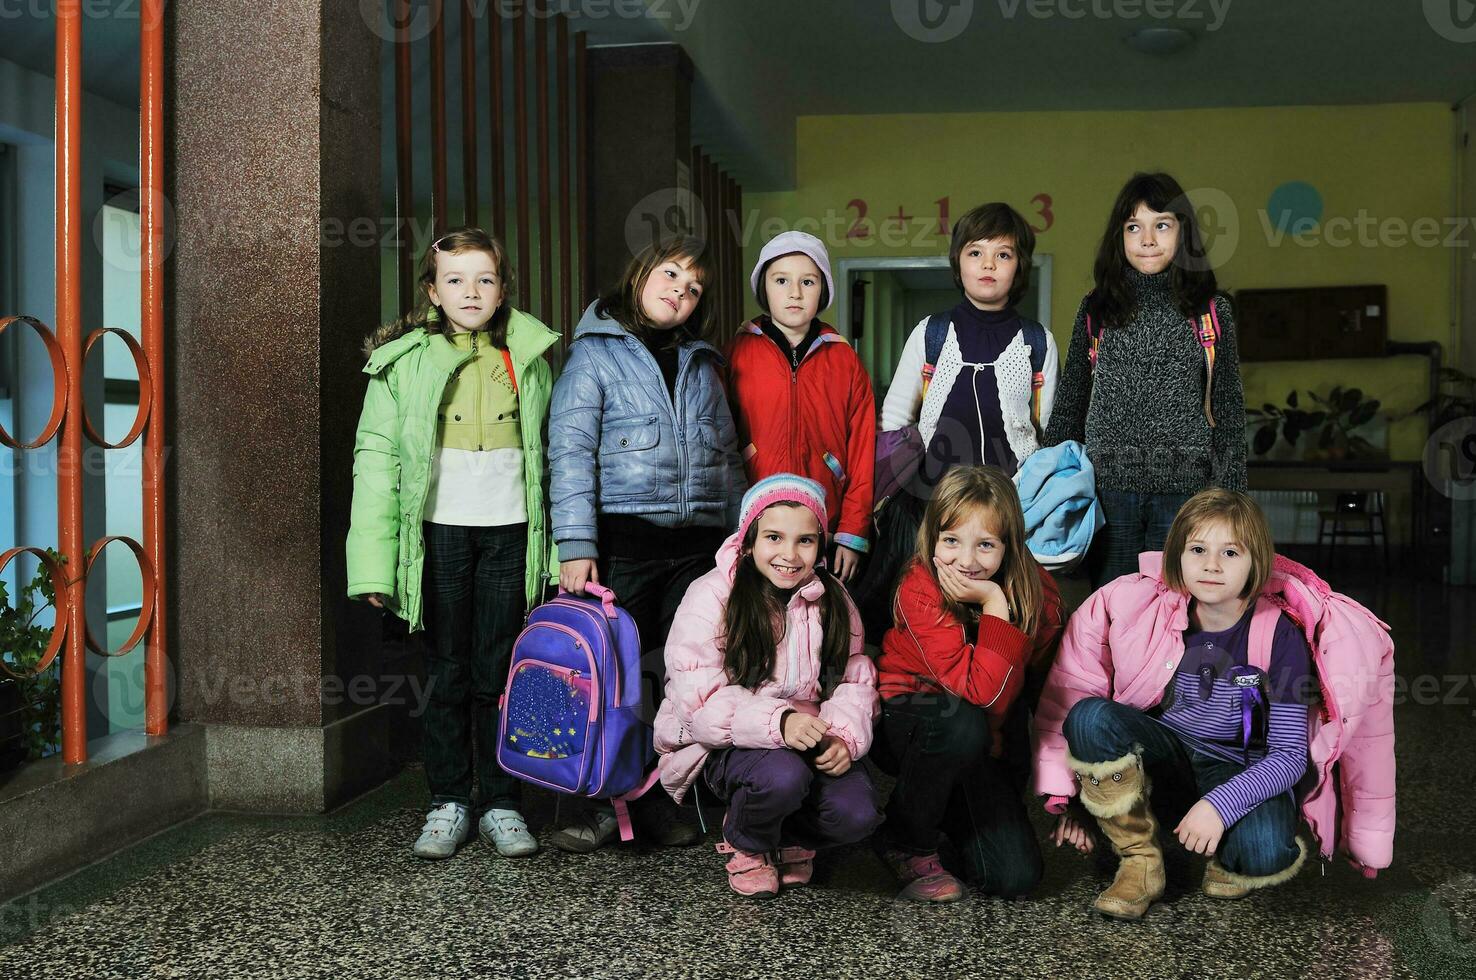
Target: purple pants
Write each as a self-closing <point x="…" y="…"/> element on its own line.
<point x="777" y="799"/>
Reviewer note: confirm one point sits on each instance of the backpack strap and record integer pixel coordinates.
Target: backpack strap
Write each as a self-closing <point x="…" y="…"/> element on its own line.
<point x="1262" y="632"/>
<point x="1207" y="329"/>
<point x="1035" y="339"/>
<point x="934" y="336"/>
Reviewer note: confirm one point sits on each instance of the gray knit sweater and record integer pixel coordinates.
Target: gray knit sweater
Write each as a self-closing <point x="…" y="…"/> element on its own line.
<point x="1141" y="417"/>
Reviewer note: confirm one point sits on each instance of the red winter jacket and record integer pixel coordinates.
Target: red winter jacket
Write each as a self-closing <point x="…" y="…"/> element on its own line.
<point x="818" y="421"/>
<point x="927" y="649"/>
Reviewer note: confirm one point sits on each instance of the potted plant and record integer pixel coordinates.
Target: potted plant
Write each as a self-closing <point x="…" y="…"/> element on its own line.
<point x="30" y="704"/>
<point x="1331" y="425"/>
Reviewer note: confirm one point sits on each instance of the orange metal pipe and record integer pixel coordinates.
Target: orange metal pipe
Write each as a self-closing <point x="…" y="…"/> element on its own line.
<point x="439" y="150"/>
<point x="404" y="158"/>
<point x="151" y="323"/>
<point x="545" y="195"/>
<point x="497" y="68"/>
<point x="520" y="154"/>
<point x="581" y="174"/>
<point x="69" y="333"/>
<point x="566" y="204"/>
<point x="469" y="113"/>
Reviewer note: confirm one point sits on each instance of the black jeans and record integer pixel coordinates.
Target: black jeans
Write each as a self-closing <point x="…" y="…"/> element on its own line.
<point x="651" y="589"/>
<point x="474" y="606"/>
<point x="948" y="783"/>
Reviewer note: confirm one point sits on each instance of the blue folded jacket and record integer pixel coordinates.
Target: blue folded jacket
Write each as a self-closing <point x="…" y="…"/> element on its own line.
<point x="1058" y="491"/>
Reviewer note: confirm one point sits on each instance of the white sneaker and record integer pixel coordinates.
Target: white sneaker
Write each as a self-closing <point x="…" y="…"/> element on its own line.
<point x="446" y="828"/>
<point x="507" y="831"/>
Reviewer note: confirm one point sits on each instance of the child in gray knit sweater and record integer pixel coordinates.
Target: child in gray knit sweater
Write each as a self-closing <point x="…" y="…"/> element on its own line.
<point x="1152" y="379"/>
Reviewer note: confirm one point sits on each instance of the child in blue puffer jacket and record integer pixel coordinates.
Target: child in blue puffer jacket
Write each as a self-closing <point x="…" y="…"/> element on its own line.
<point x="645" y="475"/>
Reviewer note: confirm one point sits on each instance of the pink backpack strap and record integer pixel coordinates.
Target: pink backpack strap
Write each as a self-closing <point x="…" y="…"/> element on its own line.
<point x="1262" y="632"/>
<point x="621" y="804"/>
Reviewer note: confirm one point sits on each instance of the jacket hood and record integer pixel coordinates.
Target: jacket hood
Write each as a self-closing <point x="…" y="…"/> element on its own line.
<point x="727" y="564"/>
<point x="592" y="324"/>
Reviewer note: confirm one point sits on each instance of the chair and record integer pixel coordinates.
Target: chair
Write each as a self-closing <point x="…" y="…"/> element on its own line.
<point x="1357" y="516"/>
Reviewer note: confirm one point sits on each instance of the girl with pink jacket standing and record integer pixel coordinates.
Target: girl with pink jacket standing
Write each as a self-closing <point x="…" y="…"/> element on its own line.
<point x="1237" y="675"/>
<point x="770" y="697"/>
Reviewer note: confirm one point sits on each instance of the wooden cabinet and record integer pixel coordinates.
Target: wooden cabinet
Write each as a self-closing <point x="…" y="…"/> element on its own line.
<point x="1313" y="323"/>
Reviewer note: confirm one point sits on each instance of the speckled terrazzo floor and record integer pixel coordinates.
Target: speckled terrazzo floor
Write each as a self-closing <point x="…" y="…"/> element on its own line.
<point x="340" y="896"/>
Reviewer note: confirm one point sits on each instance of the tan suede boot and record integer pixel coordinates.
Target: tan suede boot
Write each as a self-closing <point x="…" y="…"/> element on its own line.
<point x="1116" y="793"/>
<point x="1220" y="883"/>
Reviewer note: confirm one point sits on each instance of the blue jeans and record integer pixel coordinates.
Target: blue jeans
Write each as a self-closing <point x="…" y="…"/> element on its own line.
<point x="1136" y="522"/>
<point x="1260" y="843"/>
<point x="948" y="783"/>
<point x="474" y="604"/>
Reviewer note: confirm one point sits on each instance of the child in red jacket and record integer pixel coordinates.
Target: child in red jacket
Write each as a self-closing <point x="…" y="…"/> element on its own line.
<point x="802" y="401"/>
<point x="973" y="611"/>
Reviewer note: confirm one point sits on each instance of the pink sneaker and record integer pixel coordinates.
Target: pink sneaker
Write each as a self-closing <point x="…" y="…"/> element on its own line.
<point x="923" y="877"/>
<point x="753" y="875"/>
<point x="796" y="866"/>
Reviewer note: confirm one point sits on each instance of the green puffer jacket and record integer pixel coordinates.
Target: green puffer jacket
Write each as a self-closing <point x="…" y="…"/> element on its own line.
<point x="393" y="451"/>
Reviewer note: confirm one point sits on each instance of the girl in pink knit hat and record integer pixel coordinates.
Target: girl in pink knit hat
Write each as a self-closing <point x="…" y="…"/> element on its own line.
<point x="770" y="697"/>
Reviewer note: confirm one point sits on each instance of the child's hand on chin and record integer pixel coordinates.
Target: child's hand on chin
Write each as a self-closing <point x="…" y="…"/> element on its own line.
<point x="1201" y="829"/>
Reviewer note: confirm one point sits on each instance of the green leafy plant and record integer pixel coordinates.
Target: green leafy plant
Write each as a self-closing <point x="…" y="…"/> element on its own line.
<point x="1456" y="398"/>
<point x="1332" y="418"/>
<point x="23" y="644"/>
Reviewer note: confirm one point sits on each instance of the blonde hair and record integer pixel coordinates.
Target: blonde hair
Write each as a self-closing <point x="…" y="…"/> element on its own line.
<point x="425" y="314"/>
<point x="1247" y="526"/>
<point x="968" y="490"/>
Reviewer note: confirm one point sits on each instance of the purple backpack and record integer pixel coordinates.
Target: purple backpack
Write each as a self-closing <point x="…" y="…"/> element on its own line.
<point x="572" y="717"/>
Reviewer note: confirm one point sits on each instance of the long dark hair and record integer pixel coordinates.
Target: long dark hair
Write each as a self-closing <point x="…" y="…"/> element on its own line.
<point x="754" y="621"/>
<point x="425" y="314"/>
<point x="1112" y="301"/>
<point x="623" y="303"/>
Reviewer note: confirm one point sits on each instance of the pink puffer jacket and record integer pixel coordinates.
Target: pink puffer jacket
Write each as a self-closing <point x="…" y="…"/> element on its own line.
<point x="1125" y="643"/>
<point x="703" y="712"/>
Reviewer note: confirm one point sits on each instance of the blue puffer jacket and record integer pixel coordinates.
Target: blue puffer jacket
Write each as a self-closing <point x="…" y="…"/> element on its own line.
<point x="617" y="447"/>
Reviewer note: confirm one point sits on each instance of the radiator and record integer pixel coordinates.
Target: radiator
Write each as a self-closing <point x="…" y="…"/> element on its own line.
<point x="1292" y="514"/>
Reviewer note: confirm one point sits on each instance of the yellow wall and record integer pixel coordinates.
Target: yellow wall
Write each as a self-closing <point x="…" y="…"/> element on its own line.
<point x="1393" y="163"/>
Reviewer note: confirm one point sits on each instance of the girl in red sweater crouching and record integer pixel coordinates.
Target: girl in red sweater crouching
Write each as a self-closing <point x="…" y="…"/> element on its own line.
<point x="973" y="612"/>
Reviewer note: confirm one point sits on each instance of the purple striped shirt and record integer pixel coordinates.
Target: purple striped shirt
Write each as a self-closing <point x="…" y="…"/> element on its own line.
<point x="1205" y="711"/>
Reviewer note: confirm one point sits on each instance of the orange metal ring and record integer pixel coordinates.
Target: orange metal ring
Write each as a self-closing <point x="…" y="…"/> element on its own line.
<point x="145" y="614"/>
<point x="59" y="586"/>
<point x="145" y="388"/>
<point x="58" y="384"/>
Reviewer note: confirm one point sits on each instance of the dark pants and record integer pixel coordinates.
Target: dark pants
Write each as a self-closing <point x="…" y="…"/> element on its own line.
<point x="1260" y="843"/>
<point x="777" y="799"/>
<point x="1136" y="522"/>
<point x="948" y="783"/>
<point x="650" y="590"/>
<point x="474" y="606"/>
